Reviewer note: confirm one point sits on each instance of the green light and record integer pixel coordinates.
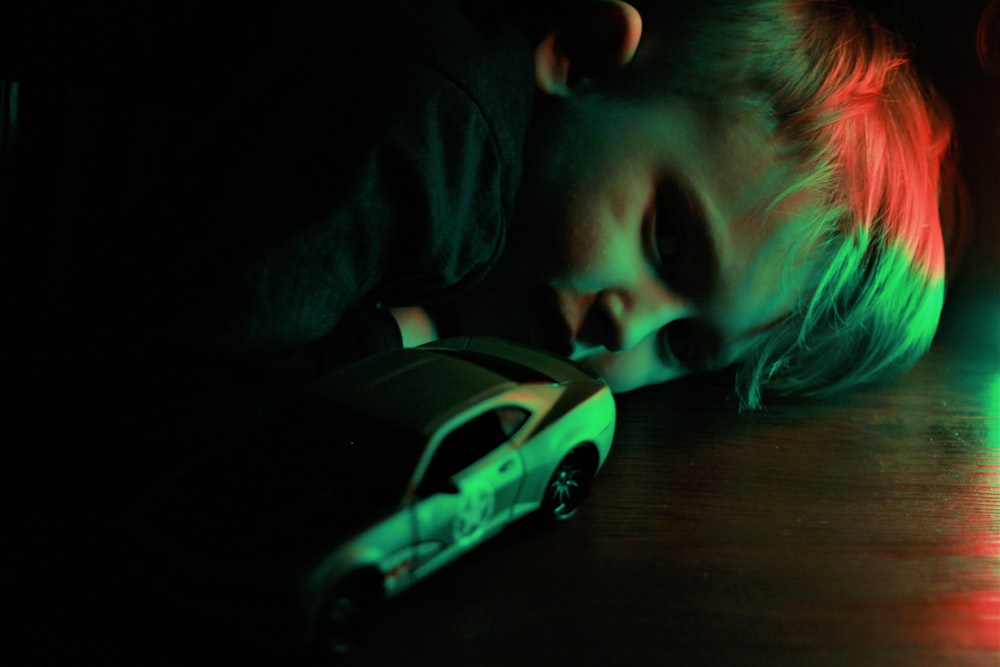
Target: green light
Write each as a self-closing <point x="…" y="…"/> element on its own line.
<point x="992" y="403"/>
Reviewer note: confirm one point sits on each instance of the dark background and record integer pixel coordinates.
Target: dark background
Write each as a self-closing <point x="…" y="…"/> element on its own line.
<point x="958" y="46"/>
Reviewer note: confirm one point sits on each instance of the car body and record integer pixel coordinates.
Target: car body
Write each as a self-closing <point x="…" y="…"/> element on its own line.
<point x="503" y="431"/>
<point x="396" y="465"/>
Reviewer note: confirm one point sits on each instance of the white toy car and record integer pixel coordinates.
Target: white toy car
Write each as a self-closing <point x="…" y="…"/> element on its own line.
<point x="393" y="467"/>
<point x="500" y="431"/>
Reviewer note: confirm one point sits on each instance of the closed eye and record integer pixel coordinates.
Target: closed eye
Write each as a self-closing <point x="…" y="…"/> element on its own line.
<point x="684" y="254"/>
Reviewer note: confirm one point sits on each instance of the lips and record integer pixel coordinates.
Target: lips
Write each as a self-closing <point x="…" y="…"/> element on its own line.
<point x="550" y="329"/>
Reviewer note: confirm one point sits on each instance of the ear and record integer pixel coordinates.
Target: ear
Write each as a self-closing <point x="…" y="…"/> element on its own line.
<point x="595" y="38"/>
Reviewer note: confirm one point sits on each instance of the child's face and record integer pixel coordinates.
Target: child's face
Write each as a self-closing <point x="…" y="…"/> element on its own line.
<point x="641" y="243"/>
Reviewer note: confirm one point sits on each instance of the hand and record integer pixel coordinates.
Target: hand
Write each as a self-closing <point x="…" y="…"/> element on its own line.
<point x="415" y="325"/>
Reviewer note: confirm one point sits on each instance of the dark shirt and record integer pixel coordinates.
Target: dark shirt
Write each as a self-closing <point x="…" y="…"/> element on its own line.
<point x="250" y="195"/>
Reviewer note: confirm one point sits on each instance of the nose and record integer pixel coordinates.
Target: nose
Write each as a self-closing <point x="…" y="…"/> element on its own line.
<point x="619" y="320"/>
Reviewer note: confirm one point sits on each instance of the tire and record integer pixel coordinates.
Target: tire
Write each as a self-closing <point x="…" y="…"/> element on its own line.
<point x="350" y="609"/>
<point x="569" y="484"/>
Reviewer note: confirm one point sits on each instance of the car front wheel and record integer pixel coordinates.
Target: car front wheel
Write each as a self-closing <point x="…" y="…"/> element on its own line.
<point x="569" y="483"/>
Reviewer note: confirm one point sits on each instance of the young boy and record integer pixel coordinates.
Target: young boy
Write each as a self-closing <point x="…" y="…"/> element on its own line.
<point x="651" y="193"/>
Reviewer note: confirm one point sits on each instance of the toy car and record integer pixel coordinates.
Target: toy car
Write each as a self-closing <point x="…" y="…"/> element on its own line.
<point x="501" y="430"/>
<point x="391" y="468"/>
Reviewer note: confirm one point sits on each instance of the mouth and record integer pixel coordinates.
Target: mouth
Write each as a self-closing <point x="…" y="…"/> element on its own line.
<point x="550" y="330"/>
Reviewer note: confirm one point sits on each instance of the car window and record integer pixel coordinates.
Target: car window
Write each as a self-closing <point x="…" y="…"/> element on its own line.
<point x="509" y="369"/>
<point x="511" y="418"/>
<point x="470" y="442"/>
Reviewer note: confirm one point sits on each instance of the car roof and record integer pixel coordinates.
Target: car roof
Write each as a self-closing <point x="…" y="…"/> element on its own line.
<point x="414" y="389"/>
<point x="555" y="368"/>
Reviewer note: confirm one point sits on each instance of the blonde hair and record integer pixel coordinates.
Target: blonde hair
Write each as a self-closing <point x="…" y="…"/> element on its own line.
<point x="868" y="134"/>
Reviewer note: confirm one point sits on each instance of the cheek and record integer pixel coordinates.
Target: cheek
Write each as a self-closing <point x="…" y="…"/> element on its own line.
<point x="582" y="243"/>
<point x="566" y="247"/>
<point x="585" y="234"/>
<point x="597" y="240"/>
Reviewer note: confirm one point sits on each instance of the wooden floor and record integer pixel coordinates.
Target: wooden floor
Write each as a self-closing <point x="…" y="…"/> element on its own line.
<point x="859" y="531"/>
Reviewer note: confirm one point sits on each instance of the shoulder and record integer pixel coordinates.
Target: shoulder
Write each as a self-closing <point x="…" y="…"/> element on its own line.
<point x="423" y="110"/>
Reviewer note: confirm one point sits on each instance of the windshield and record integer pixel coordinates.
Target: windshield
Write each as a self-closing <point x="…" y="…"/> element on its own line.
<point x="508" y="369"/>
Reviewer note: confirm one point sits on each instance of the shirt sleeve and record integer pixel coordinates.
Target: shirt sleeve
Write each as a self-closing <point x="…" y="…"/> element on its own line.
<point x="322" y="186"/>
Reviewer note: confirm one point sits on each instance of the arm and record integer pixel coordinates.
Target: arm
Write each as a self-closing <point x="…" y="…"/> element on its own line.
<point x="415" y="326"/>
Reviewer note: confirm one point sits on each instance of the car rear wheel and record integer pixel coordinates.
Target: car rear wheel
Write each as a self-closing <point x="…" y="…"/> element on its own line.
<point x="349" y="611"/>
<point x="569" y="483"/>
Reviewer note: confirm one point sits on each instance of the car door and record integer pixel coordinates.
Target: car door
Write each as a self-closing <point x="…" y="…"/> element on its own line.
<point x="470" y="483"/>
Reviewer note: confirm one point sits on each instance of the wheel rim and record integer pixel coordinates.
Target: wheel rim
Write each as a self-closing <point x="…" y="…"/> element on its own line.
<point x="568" y="486"/>
<point x="348" y="612"/>
<point x="345" y="612"/>
<point x="343" y="625"/>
